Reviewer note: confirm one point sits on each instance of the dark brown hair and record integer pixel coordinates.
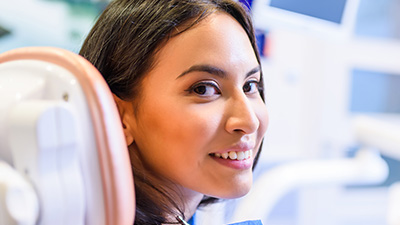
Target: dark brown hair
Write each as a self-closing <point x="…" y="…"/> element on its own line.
<point x="122" y="45"/>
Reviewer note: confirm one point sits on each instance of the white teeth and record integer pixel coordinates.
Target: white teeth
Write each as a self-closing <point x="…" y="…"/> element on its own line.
<point x="234" y="155"/>
<point x="240" y="155"/>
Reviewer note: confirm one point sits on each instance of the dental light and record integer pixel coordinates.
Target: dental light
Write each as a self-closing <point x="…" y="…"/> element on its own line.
<point x="63" y="158"/>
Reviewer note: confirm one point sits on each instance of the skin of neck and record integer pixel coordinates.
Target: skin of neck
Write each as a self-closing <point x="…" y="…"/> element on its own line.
<point x="191" y="201"/>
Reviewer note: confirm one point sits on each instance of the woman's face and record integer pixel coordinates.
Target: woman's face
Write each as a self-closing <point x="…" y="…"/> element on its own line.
<point x="200" y="117"/>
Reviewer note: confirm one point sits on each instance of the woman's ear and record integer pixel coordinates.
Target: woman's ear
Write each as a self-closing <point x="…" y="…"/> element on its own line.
<point x="127" y="116"/>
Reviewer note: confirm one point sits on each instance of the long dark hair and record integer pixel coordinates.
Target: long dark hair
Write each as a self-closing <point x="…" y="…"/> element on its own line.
<point x="122" y="45"/>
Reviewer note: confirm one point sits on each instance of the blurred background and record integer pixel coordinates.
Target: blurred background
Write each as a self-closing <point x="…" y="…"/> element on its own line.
<point x="59" y="23"/>
<point x="326" y="64"/>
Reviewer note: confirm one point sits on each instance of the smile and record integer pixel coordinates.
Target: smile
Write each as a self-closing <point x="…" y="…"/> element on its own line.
<point x="234" y="155"/>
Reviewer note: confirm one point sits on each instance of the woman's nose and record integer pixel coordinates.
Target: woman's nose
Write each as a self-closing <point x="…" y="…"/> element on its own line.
<point x="241" y="116"/>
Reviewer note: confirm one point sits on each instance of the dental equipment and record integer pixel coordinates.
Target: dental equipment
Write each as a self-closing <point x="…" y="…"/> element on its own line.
<point x="374" y="135"/>
<point x="63" y="158"/>
<point x="383" y="133"/>
<point x="367" y="167"/>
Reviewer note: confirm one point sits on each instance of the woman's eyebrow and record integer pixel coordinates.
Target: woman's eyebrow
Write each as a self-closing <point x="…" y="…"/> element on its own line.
<point x="204" y="68"/>
<point x="214" y="70"/>
<point x="253" y="71"/>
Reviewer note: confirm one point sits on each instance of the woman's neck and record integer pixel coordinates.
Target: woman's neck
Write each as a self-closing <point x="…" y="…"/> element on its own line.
<point x="190" y="201"/>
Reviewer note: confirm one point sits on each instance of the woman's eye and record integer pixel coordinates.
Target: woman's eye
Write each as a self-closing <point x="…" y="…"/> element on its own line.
<point x="205" y="89"/>
<point x="251" y="87"/>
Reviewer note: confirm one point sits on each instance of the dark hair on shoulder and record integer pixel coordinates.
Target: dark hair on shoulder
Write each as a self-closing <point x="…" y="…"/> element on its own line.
<point x="122" y="45"/>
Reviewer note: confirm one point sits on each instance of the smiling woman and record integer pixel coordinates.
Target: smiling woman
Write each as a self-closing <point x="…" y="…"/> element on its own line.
<point x="188" y="85"/>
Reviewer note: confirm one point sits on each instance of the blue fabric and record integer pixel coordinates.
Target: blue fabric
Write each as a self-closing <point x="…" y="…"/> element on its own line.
<point x="250" y="222"/>
<point x="191" y="221"/>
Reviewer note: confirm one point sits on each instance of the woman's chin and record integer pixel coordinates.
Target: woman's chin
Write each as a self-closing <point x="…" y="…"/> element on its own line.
<point x="234" y="192"/>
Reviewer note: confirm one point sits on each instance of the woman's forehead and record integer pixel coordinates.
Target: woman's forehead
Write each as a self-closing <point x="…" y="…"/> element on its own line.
<point x="218" y="38"/>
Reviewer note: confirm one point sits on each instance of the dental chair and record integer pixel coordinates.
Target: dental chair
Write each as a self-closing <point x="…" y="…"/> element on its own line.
<point x="63" y="157"/>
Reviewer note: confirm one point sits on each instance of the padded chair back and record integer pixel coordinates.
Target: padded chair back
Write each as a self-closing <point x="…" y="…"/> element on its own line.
<point x="60" y="127"/>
